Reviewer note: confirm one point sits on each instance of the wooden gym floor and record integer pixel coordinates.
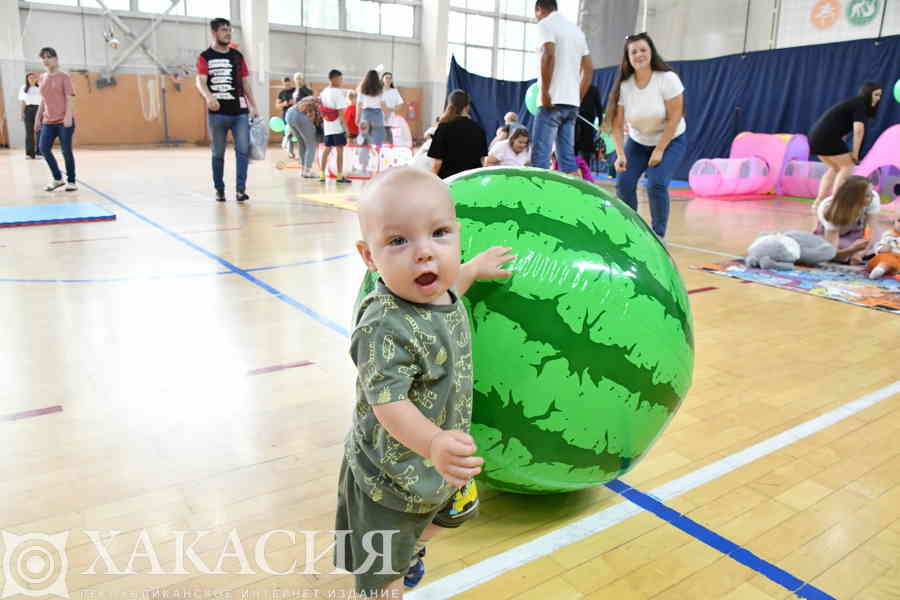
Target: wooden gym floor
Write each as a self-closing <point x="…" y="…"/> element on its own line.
<point x="185" y="367"/>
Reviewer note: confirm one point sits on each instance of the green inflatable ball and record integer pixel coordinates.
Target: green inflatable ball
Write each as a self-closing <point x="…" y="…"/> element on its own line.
<point x="897" y="91"/>
<point x="276" y="124"/>
<point x="532" y="98"/>
<point x="584" y="355"/>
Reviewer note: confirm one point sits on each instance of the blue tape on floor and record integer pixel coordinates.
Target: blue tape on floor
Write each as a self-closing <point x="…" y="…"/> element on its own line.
<point x="312" y="261"/>
<point x="228" y="265"/>
<point x="714" y="540"/>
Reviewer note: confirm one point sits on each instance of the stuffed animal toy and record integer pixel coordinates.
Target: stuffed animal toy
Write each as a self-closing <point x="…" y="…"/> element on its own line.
<point x="783" y="250"/>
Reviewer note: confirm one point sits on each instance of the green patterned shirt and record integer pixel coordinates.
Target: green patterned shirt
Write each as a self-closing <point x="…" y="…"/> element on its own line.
<point x="416" y="352"/>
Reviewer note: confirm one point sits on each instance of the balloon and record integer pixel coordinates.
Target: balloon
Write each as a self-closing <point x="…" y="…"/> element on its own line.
<point x="608" y="142"/>
<point x="584" y="355"/>
<point x="532" y="98"/>
<point x="897" y="91"/>
<point x="276" y="124"/>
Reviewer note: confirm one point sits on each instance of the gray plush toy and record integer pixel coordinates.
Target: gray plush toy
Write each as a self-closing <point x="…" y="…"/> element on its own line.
<point x="782" y="250"/>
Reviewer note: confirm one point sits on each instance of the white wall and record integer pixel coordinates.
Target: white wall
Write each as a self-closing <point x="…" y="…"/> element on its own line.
<point x="698" y="29"/>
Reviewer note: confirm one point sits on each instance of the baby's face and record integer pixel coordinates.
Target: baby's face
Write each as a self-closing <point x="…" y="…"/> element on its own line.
<point x="412" y="237"/>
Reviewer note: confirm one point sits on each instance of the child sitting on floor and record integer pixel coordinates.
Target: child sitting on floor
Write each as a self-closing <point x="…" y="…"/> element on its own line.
<point x="886" y="261"/>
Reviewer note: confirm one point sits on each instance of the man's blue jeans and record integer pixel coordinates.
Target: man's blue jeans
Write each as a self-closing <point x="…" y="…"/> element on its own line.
<point x="658" y="179"/>
<point x="48" y="136"/>
<point x="555" y="124"/>
<point x="219" y="125"/>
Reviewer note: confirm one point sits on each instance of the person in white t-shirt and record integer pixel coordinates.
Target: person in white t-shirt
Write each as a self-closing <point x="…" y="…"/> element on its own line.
<point x="370" y="115"/>
<point x="649" y="97"/>
<point x="30" y="97"/>
<point x="334" y="101"/>
<point x="566" y="71"/>
<point x="845" y="217"/>
<point x="392" y="101"/>
<point x="512" y="152"/>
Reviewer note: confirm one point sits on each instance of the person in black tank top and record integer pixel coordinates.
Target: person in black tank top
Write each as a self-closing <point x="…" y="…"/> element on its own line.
<point x="459" y="144"/>
<point x="826" y="138"/>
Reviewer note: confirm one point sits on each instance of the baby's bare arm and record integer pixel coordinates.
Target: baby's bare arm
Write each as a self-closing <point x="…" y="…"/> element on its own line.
<point x="407" y="425"/>
<point x="449" y="451"/>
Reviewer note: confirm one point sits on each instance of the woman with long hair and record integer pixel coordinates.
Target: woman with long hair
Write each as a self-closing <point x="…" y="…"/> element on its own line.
<point x="370" y="115"/>
<point x="826" y="138"/>
<point x="848" y="219"/>
<point x="392" y="100"/>
<point x="649" y="97"/>
<point x="30" y="97"/>
<point x="514" y="151"/>
<point x="459" y="144"/>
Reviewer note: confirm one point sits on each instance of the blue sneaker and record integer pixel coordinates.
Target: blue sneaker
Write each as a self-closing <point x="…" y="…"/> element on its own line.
<point x="416" y="572"/>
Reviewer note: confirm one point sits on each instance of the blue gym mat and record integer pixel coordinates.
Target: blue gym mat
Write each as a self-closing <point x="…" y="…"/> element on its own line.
<point x="48" y="214"/>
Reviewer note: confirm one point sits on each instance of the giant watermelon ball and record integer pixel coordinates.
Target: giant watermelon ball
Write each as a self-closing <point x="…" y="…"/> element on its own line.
<point x="582" y="357"/>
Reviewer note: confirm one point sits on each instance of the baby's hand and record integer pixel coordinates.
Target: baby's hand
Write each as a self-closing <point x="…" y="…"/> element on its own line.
<point x="487" y="264"/>
<point x="451" y="454"/>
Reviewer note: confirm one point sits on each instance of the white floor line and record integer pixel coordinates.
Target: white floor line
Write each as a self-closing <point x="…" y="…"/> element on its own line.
<point x="490" y="568"/>
<point x="674" y="245"/>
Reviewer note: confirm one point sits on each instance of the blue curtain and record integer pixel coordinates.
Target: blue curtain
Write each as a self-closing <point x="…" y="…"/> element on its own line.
<point x="774" y="91"/>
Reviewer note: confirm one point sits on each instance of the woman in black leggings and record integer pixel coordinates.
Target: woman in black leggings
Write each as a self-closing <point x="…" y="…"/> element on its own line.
<point x="826" y="139"/>
<point x="30" y="97"/>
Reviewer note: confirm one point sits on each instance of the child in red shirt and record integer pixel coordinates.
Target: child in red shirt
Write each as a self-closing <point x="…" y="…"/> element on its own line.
<point x="350" y="117"/>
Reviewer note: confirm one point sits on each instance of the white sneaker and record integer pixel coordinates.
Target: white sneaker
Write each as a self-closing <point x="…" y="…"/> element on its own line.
<point x="53" y="185"/>
<point x="71" y="187"/>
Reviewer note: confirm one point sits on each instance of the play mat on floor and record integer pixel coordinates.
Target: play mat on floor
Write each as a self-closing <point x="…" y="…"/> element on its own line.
<point x="845" y="284"/>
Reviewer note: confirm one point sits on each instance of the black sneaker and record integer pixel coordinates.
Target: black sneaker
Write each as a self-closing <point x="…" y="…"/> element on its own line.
<point x="220" y="195"/>
<point x="242" y="197"/>
<point x="344" y="180"/>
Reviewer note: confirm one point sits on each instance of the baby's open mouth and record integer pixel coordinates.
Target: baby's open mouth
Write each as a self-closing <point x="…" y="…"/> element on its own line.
<point x="426" y="279"/>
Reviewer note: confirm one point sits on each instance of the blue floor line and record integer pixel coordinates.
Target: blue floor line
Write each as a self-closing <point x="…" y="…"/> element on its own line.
<point x="714" y="540"/>
<point x="180" y="275"/>
<point x="228" y="265"/>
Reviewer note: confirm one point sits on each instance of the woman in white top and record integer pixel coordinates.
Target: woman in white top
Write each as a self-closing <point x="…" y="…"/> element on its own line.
<point x="512" y="152"/>
<point x="30" y="97"/>
<point x="370" y="115"/>
<point x="392" y="100"/>
<point x="649" y="97"/>
<point x="844" y="218"/>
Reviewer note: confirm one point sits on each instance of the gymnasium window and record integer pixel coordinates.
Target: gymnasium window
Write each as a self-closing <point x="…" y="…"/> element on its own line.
<point x="112" y="4"/>
<point x="188" y="8"/>
<point x="384" y="18"/>
<point x="471" y="38"/>
<point x="498" y="38"/>
<point x="318" y="14"/>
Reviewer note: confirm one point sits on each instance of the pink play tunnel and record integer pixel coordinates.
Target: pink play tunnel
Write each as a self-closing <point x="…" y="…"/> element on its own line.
<point x="802" y="177"/>
<point x="882" y="164"/>
<point x="761" y="159"/>
<point x="728" y="176"/>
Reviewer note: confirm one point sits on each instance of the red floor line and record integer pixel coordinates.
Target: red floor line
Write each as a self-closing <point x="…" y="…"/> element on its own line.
<point x="273" y="368"/>
<point x="121" y="237"/>
<point x="31" y="413"/>
<point x="211" y="230"/>
<point x="703" y="289"/>
<point x="309" y="223"/>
